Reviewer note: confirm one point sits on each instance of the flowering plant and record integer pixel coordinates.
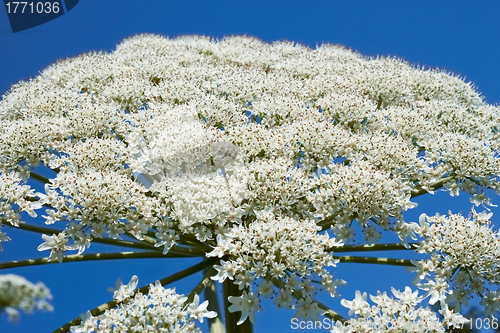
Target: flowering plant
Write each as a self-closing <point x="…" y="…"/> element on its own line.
<point x="263" y="160"/>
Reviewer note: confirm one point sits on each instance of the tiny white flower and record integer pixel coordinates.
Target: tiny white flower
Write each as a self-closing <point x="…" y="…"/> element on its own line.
<point x="122" y="291"/>
<point x="247" y="303"/>
<point x="357" y="306"/>
<point x="56" y="244"/>
<point x="199" y="311"/>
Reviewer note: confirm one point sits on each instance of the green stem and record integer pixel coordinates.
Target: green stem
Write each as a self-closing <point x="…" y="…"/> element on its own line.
<point x="187" y="251"/>
<point x="38" y="177"/>
<point x="174" y="251"/>
<point x="372" y="247"/>
<point x="202" y="284"/>
<point x="88" y="257"/>
<point x="329" y="312"/>
<point x="145" y="238"/>
<point x="36" y="200"/>
<point x="326" y="223"/>
<point x="116" y="242"/>
<point x="193" y="250"/>
<point x="192" y="241"/>
<point x="167" y="280"/>
<point x="375" y="260"/>
<point x="215" y="324"/>
<point x="440" y="183"/>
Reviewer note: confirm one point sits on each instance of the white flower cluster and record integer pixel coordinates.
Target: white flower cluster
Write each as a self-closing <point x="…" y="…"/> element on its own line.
<point x="157" y="106"/>
<point x="201" y="202"/>
<point x="271" y="248"/>
<point x="396" y="315"/>
<point x="17" y="293"/>
<point x="360" y="192"/>
<point x="160" y="311"/>
<point x="14" y="198"/>
<point x="185" y="141"/>
<point x="465" y="258"/>
<point x="100" y="203"/>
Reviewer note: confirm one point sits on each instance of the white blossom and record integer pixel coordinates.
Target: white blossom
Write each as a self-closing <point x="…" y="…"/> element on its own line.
<point x="247" y="303"/>
<point x="467" y="246"/>
<point x="122" y="291"/>
<point x="56" y="244"/>
<point x="357" y="306"/>
<point x="267" y="157"/>
<point x="17" y="293"/>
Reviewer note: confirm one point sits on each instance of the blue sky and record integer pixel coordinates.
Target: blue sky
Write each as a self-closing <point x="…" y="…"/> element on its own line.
<point x="459" y="36"/>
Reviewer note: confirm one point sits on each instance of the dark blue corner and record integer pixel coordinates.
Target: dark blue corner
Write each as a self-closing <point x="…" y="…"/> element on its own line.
<point x="28" y="14"/>
<point x="70" y="4"/>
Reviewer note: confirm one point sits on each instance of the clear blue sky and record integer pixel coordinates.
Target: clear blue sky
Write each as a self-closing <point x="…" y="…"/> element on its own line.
<point x="460" y="36"/>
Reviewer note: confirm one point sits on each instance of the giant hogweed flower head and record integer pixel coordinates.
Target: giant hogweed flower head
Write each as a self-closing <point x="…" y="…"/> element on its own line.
<point x="17" y="293"/>
<point x="326" y="112"/>
<point x="187" y="141"/>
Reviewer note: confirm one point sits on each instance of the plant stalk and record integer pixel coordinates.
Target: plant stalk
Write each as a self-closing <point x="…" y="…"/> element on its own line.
<point x="375" y="260"/>
<point x="88" y="257"/>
